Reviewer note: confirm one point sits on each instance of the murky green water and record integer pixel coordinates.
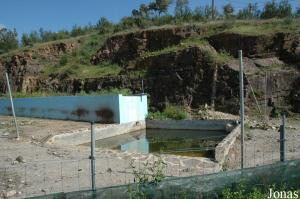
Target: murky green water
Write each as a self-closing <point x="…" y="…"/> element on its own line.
<point x="177" y="142"/>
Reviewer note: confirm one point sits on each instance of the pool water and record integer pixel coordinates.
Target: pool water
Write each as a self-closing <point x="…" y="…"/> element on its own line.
<point x="177" y="142"/>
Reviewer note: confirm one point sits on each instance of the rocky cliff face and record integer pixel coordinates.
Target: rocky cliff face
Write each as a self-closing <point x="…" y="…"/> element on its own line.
<point x="295" y="96"/>
<point x="125" y="47"/>
<point x="274" y="86"/>
<point x="24" y="68"/>
<point x="187" y="77"/>
<point x="286" y="46"/>
<point x="184" y="76"/>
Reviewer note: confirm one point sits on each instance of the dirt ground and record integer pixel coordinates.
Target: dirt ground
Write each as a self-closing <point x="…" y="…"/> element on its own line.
<point x="263" y="147"/>
<point x="31" y="167"/>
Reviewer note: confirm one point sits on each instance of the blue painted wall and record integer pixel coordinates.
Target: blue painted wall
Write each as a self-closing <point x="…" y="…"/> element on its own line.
<point x="102" y="109"/>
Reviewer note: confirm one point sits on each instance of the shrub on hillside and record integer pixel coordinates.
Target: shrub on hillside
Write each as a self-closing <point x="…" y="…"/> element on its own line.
<point x="272" y="9"/>
<point x="63" y="60"/>
<point x="8" y="40"/>
<point x="170" y="112"/>
<point x="104" y="26"/>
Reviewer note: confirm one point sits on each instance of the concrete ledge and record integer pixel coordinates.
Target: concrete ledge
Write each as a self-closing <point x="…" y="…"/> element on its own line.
<point x="221" y="151"/>
<point x="211" y="125"/>
<point x="84" y="135"/>
<point x="223" y="147"/>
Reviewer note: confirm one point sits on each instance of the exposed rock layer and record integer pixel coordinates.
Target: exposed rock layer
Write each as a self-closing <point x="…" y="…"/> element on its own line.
<point x="184" y="76"/>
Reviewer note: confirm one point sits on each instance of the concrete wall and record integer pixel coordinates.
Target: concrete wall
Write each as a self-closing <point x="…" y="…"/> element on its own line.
<point x="223" y="147"/>
<point x="133" y="108"/>
<point x="103" y="109"/>
<point x="213" y="125"/>
<point x="205" y="186"/>
<point x="84" y="135"/>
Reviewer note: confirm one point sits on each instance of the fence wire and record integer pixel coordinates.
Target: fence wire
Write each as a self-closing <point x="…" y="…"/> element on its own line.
<point x="62" y="174"/>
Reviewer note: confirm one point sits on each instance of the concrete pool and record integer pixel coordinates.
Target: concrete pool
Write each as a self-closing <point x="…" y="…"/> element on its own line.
<point x="194" y="143"/>
<point x="210" y="139"/>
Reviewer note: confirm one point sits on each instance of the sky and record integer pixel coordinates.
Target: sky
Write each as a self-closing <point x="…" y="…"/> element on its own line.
<point x="54" y="15"/>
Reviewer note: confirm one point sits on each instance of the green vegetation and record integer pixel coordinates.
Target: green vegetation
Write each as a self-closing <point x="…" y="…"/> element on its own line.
<point x="149" y="173"/>
<point x="108" y="91"/>
<point x="296" y="116"/>
<point x="46" y="36"/>
<point x="273" y="9"/>
<point x="82" y="70"/>
<point x="265" y="27"/>
<point x="156" y="14"/>
<point x="239" y="192"/>
<point x="228" y="11"/>
<point x="170" y="112"/>
<point x="33" y="94"/>
<point x="63" y="60"/>
<point x="249" y="12"/>
<point x="8" y="40"/>
<point x="76" y="64"/>
<point x="145" y="177"/>
<point x="212" y="56"/>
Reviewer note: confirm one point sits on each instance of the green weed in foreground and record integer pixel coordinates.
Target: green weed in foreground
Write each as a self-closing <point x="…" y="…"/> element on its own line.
<point x="149" y="173"/>
<point x="256" y="193"/>
<point x="170" y="112"/>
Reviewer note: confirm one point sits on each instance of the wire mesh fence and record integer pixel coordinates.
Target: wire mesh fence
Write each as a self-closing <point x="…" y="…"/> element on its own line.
<point x="200" y="187"/>
<point x="115" y="169"/>
<point x="66" y="173"/>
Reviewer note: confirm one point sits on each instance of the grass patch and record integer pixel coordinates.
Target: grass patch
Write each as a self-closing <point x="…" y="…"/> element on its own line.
<point x="83" y="71"/>
<point x="160" y="52"/>
<point x="108" y="91"/>
<point x="259" y="27"/>
<point x="210" y="54"/>
<point x="239" y="192"/>
<point x="170" y="112"/>
<point x="194" y="41"/>
<point x="188" y="42"/>
<point x="76" y="64"/>
<point x="33" y="94"/>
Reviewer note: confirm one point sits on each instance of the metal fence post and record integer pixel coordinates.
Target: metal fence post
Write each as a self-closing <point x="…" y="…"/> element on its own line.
<point x="143" y="91"/>
<point x="242" y="109"/>
<point x="92" y="157"/>
<point x="12" y="105"/>
<point x="282" y="139"/>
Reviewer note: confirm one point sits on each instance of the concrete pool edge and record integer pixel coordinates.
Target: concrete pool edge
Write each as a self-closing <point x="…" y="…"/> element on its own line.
<point x="210" y="125"/>
<point x="222" y="149"/>
<point x="84" y="135"/>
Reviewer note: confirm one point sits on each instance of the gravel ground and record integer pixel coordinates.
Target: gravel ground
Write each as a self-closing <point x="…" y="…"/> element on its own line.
<point x="29" y="167"/>
<point x="262" y="146"/>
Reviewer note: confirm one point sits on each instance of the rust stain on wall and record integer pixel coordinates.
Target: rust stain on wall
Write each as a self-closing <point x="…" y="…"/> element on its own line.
<point x="8" y="109"/>
<point x="80" y="112"/>
<point x="33" y="110"/>
<point x="21" y="109"/>
<point x="64" y="112"/>
<point x="105" y="115"/>
<point x="51" y="110"/>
